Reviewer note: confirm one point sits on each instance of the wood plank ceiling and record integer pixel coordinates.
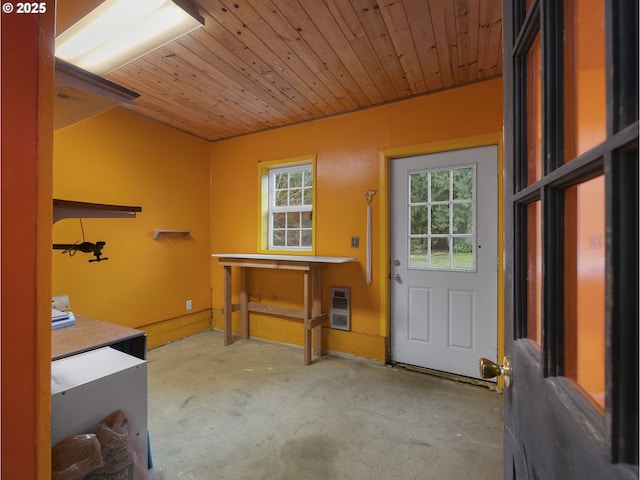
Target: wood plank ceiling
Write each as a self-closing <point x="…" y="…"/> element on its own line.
<point x="263" y="64"/>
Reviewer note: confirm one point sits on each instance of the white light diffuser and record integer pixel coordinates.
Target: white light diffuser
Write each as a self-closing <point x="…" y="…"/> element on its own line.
<point x="119" y="31"/>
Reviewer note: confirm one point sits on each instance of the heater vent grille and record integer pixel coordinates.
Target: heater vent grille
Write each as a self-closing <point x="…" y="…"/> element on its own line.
<point x="340" y="308"/>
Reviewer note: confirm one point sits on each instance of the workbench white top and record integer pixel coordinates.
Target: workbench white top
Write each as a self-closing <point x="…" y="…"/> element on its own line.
<point x="288" y="258"/>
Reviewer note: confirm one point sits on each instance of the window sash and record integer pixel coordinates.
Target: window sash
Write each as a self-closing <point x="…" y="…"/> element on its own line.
<point x="282" y="236"/>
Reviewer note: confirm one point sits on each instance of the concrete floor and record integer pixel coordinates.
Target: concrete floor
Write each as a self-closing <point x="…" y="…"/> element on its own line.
<point x="253" y="411"/>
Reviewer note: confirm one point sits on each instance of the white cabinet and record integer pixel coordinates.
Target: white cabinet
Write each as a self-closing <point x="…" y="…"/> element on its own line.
<point x="87" y="387"/>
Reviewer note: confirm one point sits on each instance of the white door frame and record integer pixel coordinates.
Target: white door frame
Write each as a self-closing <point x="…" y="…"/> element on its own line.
<point x="386" y="157"/>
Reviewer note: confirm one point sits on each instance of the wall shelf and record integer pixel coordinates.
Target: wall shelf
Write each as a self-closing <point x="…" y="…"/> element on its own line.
<point x="158" y="232"/>
<point x="71" y="209"/>
<point x="80" y="94"/>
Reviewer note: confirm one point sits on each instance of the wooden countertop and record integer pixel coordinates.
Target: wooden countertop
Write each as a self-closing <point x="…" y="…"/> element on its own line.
<point x="288" y="258"/>
<point x="89" y="334"/>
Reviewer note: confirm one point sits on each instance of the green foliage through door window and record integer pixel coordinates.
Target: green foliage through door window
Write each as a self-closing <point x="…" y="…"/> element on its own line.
<point x="442" y="219"/>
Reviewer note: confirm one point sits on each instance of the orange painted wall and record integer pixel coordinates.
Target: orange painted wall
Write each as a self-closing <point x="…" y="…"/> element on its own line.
<point x="121" y="158"/>
<point x="347" y="149"/>
<point x="25" y="347"/>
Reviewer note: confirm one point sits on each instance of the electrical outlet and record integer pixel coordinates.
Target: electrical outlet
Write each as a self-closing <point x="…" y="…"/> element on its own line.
<point x="189" y="305"/>
<point x="355" y="242"/>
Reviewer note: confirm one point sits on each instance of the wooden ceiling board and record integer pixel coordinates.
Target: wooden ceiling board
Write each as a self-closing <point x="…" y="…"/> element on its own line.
<point x="268" y="76"/>
<point x="419" y="17"/>
<point x="262" y="64"/>
<point x="330" y="27"/>
<point x="490" y="39"/>
<point x="346" y="17"/>
<point x="306" y="40"/>
<point x="395" y="18"/>
<point x="467" y="12"/>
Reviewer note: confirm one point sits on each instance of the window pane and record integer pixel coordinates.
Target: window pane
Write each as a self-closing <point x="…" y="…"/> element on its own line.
<point x="585" y="288"/>
<point x="419" y="220"/>
<point x="293" y="238"/>
<point x="418" y="253"/>
<point x="440" y="253"/>
<point x="295" y="196"/>
<point x="278" y="238"/>
<point x="440" y="219"/>
<point x="306" y="219"/>
<point x="293" y="220"/>
<point x="534" y="273"/>
<point x="295" y="180"/>
<point x="463" y="184"/>
<point x="305" y="238"/>
<point x="308" y="178"/>
<point x="279" y="220"/>
<point x="585" y="82"/>
<point x="440" y="186"/>
<point x="281" y="198"/>
<point x="419" y="187"/>
<point x="282" y="180"/>
<point x="534" y="113"/>
<point x="463" y="253"/>
<point x="308" y="196"/>
<point x="462" y="218"/>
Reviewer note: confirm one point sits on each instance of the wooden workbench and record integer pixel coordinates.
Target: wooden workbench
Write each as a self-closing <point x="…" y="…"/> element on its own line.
<point x="90" y="334"/>
<point x="311" y="314"/>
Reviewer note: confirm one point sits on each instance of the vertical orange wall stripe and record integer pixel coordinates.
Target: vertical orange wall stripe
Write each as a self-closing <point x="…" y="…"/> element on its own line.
<point x="27" y="102"/>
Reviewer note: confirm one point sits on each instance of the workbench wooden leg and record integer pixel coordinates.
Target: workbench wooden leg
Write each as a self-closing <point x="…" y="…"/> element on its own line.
<point x="228" y="334"/>
<point x="316" y="309"/>
<point x="244" y="311"/>
<point x="308" y="292"/>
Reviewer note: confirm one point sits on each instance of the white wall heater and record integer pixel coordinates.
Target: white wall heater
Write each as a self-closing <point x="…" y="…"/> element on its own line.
<point x="340" y="308"/>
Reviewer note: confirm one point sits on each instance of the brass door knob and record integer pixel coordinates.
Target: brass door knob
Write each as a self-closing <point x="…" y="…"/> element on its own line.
<point x="490" y="369"/>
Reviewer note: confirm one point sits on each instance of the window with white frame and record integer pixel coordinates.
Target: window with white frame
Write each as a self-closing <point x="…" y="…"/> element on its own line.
<point x="289" y="209"/>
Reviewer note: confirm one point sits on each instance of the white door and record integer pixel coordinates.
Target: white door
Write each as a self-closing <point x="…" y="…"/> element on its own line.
<point x="444" y="267"/>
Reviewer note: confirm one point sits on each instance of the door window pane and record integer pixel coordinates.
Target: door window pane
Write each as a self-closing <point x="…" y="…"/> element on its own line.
<point x="534" y="113"/>
<point x="442" y="219"/>
<point x="534" y="273"/>
<point x="419" y="219"/>
<point x="585" y="288"/>
<point x="419" y="253"/>
<point x="463" y="184"/>
<point x="462" y="218"/>
<point x="440" y="186"/>
<point x="419" y="187"/>
<point x="440" y="253"/>
<point x="585" y="82"/>
<point x="463" y="253"/>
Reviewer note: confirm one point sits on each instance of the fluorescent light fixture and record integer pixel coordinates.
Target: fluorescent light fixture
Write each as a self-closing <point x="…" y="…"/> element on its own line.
<point x="119" y="31"/>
